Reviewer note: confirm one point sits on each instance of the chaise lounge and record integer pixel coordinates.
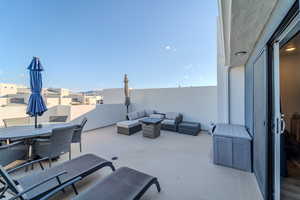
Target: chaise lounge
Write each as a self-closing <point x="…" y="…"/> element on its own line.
<point x="39" y="184"/>
<point x="124" y="183"/>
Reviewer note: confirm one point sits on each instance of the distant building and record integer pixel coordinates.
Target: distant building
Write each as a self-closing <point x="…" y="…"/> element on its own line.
<point x="6" y="88"/>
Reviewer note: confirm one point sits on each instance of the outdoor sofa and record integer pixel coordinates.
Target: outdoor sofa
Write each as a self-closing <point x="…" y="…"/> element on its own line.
<point x="171" y="121"/>
<point x="133" y="124"/>
<point x="37" y="185"/>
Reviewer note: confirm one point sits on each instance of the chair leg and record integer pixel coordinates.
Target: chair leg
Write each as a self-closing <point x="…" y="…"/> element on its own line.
<point x="112" y="167"/>
<point x="80" y="146"/>
<point x="50" y="162"/>
<point x="157" y="185"/>
<point x="70" y="156"/>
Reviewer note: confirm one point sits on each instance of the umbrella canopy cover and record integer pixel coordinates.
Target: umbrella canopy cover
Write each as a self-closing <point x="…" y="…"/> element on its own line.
<point x="126" y="89"/>
<point x="36" y="104"/>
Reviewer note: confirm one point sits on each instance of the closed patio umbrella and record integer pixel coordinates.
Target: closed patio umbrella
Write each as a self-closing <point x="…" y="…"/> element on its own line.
<point x="126" y="92"/>
<point x="36" y="105"/>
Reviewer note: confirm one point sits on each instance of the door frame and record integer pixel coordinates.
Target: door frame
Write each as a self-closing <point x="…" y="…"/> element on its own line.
<point x="278" y="34"/>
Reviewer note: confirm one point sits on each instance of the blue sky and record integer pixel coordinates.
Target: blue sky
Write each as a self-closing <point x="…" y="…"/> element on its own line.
<point x="86" y="45"/>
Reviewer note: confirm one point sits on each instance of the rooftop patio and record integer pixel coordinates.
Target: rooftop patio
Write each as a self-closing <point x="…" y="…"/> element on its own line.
<point x="183" y="165"/>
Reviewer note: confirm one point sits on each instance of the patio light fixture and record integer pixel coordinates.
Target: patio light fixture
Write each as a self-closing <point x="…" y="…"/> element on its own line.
<point x="240" y="53"/>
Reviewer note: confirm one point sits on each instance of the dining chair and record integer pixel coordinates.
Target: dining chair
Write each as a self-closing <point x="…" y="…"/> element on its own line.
<point x="12" y="152"/>
<point x="61" y="118"/>
<point x="18" y="121"/>
<point x="78" y="132"/>
<point x="58" y="144"/>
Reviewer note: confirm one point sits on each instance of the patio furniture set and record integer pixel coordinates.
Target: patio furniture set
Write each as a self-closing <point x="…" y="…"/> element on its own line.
<point x="53" y="140"/>
<point x="28" y="142"/>
<point x="151" y="122"/>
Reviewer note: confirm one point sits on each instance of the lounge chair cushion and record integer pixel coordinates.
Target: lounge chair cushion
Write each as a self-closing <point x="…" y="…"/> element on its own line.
<point x="172" y="115"/>
<point x="159" y="116"/>
<point x="128" y="124"/>
<point x="141" y="114"/>
<point x="168" y="122"/>
<point x="124" y="183"/>
<point x="77" y="167"/>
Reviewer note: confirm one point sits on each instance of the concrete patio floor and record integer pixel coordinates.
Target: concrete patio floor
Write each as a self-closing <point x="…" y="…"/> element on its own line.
<point x="182" y="163"/>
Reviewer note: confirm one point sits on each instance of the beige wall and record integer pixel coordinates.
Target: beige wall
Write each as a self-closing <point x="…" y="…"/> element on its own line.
<point x="65" y="101"/>
<point x="290" y="85"/>
<point x="6" y="89"/>
<point x="52" y="101"/>
<point x="3" y="101"/>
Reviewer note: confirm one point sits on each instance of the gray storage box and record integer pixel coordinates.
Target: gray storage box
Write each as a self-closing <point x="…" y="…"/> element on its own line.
<point x="232" y="147"/>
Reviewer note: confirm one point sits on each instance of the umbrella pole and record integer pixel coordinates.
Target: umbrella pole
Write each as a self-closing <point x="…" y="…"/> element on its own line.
<point x="35" y="121"/>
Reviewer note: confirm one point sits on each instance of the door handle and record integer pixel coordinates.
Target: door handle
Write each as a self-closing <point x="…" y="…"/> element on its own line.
<point x="282" y="124"/>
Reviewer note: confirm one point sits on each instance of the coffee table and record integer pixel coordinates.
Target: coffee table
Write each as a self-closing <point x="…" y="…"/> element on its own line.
<point x="151" y="127"/>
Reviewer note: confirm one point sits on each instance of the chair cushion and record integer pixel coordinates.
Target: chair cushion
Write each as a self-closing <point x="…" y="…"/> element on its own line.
<point x="128" y="124"/>
<point x="133" y="115"/>
<point x="149" y="112"/>
<point x="168" y="122"/>
<point x="141" y="114"/>
<point x="172" y="115"/>
<point x="159" y="116"/>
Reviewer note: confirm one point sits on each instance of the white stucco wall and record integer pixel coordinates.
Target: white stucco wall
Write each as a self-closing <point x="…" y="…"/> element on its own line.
<point x="103" y="115"/>
<point x="198" y="104"/>
<point x="113" y="96"/>
<point x="237" y="95"/>
<point x="221" y="75"/>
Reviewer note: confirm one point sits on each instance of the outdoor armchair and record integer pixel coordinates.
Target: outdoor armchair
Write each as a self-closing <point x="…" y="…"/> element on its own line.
<point x="171" y="121"/>
<point x="12" y="152"/>
<point x="59" y="143"/>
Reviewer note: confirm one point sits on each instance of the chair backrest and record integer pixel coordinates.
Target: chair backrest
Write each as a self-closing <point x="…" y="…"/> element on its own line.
<point x="83" y="122"/>
<point x="12" y="152"/>
<point x="61" y="140"/>
<point x="9" y="181"/>
<point x="62" y="118"/>
<point x="19" y="121"/>
<point x="78" y="131"/>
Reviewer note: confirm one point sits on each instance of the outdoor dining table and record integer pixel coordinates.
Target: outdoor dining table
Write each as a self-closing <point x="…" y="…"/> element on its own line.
<point x="29" y="133"/>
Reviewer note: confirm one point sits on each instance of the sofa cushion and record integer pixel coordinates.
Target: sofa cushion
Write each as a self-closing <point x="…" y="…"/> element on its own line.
<point x="141" y="114"/>
<point x="133" y="115"/>
<point x="172" y="115"/>
<point x="168" y="122"/>
<point x="142" y="118"/>
<point x="159" y="116"/>
<point x="128" y="124"/>
<point x="149" y="112"/>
